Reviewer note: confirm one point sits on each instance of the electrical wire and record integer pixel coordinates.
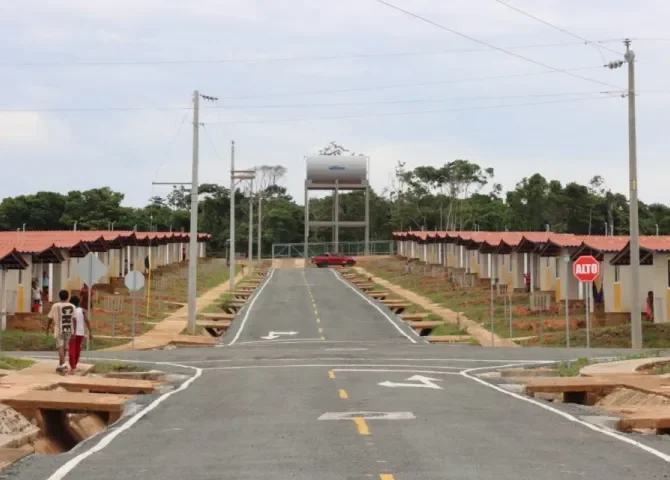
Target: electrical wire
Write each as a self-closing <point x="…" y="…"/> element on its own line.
<point x="567" y="32"/>
<point x="171" y="143"/>
<point x="296" y="94"/>
<point x="132" y="63"/>
<point x="419" y="112"/>
<point x="494" y="47"/>
<point x="319" y="105"/>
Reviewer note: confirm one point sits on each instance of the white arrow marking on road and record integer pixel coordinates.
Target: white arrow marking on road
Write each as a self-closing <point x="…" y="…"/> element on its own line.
<point x="273" y="335"/>
<point x="425" y="382"/>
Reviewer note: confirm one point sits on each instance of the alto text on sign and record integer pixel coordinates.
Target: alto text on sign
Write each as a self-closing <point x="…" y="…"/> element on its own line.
<point x="586" y="269"/>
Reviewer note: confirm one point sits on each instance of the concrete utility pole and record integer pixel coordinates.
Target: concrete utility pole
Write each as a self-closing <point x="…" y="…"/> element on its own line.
<point x="193" y="239"/>
<point x="635" y="311"/>
<point x="250" y="252"/>
<point x="231" y="246"/>
<point x="634" y="227"/>
<point x="236" y="175"/>
<point x="260" y="213"/>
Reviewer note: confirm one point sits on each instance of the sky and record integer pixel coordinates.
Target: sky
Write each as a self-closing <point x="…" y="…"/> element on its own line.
<point x="99" y="93"/>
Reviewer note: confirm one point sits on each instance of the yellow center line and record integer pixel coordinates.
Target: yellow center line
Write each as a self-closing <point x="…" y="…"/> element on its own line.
<point x="331" y="374"/>
<point x="343" y="394"/>
<point x="362" y="426"/>
<point x="318" y="320"/>
<point x="386" y="476"/>
<point x="320" y="330"/>
<point x="322" y="337"/>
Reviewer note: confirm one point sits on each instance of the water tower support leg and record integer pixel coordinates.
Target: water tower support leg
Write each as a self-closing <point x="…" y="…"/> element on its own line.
<point x="367" y="221"/>
<point x="306" y="246"/>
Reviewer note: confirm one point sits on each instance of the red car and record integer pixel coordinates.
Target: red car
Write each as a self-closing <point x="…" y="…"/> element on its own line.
<point x="328" y="259"/>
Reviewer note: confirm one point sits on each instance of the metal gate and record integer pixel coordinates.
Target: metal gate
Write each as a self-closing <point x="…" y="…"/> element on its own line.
<point x="296" y="250"/>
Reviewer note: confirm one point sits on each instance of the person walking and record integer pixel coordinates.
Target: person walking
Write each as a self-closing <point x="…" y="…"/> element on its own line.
<point x="82" y="324"/>
<point x="61" y="317"/>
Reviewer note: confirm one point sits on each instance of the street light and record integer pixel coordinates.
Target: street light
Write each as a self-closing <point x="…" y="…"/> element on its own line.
<point x="635" y="310"/>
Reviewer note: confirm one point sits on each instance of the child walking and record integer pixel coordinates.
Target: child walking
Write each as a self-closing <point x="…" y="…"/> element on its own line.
<point x="77" y="339"/>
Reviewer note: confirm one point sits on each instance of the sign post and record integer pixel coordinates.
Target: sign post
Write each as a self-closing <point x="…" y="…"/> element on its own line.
<point x="566" y="259"/>
<point x="493" y="335"/>
<point x="586" y="269"/>
<point x="134" y="282"/>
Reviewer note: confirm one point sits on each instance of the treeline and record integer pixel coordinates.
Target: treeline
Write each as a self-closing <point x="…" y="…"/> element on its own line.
<point x="458" y="195"/>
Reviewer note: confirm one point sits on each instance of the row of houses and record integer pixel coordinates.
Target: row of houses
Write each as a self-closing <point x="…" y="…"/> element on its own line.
<point x="548" y="258"/>
<point x="51" y="258"/>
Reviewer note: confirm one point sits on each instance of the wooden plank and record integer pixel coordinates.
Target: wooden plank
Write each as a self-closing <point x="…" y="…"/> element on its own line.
<point x="570" y="384"/>
<point x="414" y="316"/>
<point x="658" y="419"/>
<point x="217" y="316"/>
<point x="425" y="324"/>
<point x="448" y="338"/>
<point x="70" y="401"/>
<point x="107" y="385"/>
<point x="213" y="323"/>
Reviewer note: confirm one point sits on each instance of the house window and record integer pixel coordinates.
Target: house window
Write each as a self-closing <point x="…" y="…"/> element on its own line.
<point x="616" y="274"/>
<point x="502" y="257"/>
<point x="668" y="273"/>
<point x="557" y="265"/>
<point x="547" y="262"/>
<point x="20" y="277"/>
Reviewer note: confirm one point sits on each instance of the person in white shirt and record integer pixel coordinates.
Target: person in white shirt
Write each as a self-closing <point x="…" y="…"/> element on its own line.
<point x="81" y="325"/>
<point x="61" y="316"/>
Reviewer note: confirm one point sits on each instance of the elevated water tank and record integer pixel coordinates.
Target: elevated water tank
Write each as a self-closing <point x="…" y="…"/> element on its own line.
<point x="326" y="169"/>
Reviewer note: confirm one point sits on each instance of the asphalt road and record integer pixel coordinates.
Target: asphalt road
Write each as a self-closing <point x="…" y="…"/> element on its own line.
<point x="306" y="407"/>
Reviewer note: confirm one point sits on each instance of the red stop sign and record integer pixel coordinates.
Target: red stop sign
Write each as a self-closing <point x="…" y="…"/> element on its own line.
<point x="586" y="269"/>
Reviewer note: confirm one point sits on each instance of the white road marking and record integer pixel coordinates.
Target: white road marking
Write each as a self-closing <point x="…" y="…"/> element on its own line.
<point x="663" y="456"/>
<point x="368" y="415"/>
<point x="251" y="306"/>
<point x="71" y="464"/>
<point x="384" y="370"/>
<point x="250" y="367"/>
<point x="424" y="382"/>
<point x="272" y="335"/>
<point x="384" y="314"/>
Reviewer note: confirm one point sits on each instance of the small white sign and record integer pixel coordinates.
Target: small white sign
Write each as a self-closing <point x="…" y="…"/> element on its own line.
<point x="424" y="382"/>
<point x="368" y="416"/>
<point x="134" y="281"/>
<point x="90" y="269"/>
<point x="274" y="335"/>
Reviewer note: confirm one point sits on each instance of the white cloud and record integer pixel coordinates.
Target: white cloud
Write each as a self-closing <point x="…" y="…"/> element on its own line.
<point x="565" y="141"/>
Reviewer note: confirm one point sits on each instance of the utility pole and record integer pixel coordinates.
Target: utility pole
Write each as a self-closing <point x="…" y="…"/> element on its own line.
<point x="260" y="216"/>
<point x="635" y="311"/>
<point x="634" y="227"/>
<point x="236" y="175"/>
<point x="231" y="246"/>
<point x="250" y="254"/>
<point x="193" y="239"/>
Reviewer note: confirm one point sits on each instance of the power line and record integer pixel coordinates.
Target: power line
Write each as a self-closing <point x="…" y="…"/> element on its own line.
<point x="567" y="32"/>
<point x="316" y="105"/>
<point x="171" y="143"/>
<point x="503" y="50"/>
<point x="405" y="85"/>
<point x="132" y="63"/>
<point x="419" y="112"/>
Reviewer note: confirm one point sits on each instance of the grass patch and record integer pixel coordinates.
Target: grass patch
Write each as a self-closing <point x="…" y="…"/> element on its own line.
<point x="219" y="304"/>
<point x="20" y="341"/>
<point x="653" y="336"/>
<point x="115" y="367"/>
<point x="662" y="369"/>
<point x="12" y="363"/>
<point x="448" y="329"/>
<point x="571" y="369"/>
